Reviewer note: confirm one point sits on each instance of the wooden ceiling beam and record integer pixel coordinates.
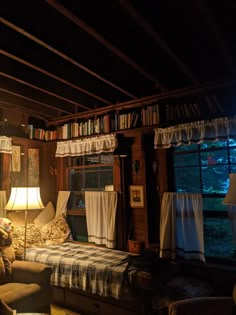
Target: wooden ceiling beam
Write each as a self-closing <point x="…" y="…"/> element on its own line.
<point x="53" y="76"/>
<point x="3" y="74"/>
<point x="153" y="34"/>
<point x="148" y="100"/>
<point x="65" y="57"/>
<point x="17" y="107"/>
<point x="35" y="101"/>
<point x="93" y="33"/>
<point x="212" y="27"/>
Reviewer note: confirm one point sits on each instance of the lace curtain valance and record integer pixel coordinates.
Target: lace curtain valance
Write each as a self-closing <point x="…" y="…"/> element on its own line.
<point x="5" y="145"/>
<point x="87" y="146"/>
<point x="195" y="132"/>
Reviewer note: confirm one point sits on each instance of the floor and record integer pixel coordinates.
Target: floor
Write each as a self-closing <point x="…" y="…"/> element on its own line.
<point x="58" y="310"/>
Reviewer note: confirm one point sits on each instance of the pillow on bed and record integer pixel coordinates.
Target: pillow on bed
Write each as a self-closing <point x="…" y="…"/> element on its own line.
<point x="56" y="231"/>
<point x="33" y="236"/>
<point x="46" y="215"/>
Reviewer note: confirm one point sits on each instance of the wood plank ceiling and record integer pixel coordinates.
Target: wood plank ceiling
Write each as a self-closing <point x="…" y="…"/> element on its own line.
<point x="69" y="59"/>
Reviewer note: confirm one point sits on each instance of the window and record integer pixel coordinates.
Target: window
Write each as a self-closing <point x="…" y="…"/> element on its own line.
<point x="91" y="172"/>
<point x="204" y="169"/>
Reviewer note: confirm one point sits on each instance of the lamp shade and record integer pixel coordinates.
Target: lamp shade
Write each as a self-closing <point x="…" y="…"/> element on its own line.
<point x="24" y="198"/>
<point x="230" y="198"/>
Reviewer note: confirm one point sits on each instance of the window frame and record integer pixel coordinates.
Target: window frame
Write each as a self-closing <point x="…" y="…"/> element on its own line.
<point x="231" y="166"/>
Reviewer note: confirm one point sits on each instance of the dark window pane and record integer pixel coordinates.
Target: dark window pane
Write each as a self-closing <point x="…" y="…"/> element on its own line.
<point x="212" y="145"/>
<point x="185" y="177"/>
<point x="214" y="157"/>
<point x="214" y="179"/>
<point x="91" y="180"/>
<point x="232" y="142"/>
<point x="213" y="204"/>
<point x="232" y="155"/>
<point x="183" y="148"/>
<point x="218" y="239"/>
<point x="232" y="168"/>
<point x="76" y="180"/>
<point x="189" y="159"/>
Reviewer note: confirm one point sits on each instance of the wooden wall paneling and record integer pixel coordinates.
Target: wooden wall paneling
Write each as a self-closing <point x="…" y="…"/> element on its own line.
<point x="5" y="169"/>
<point x="138" y="223"/>
<point x="48" y="172"/>
<point x="152" y="197"/>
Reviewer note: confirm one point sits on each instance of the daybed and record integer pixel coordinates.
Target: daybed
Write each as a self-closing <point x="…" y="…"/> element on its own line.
<point x="89" y="279"/>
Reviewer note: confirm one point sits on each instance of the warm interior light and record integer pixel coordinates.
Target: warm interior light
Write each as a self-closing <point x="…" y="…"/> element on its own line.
<point x="24" y="198"/>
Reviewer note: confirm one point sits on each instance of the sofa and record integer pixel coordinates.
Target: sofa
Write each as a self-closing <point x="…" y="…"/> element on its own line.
<point x="28" y="288"/>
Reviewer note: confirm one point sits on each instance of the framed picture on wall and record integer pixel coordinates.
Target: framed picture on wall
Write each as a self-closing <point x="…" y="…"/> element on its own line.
<point x="136" y="196"/>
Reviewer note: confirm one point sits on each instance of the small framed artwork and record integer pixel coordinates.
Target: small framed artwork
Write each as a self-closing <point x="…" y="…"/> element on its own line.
<point x="136" y="196"/>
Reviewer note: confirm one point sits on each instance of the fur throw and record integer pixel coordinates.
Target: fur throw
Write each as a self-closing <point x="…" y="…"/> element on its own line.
<point x="7" y="254"/>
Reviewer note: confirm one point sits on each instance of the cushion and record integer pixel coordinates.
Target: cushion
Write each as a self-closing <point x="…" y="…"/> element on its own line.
<point x="56" y="231"/>
<point x="46" y="215"/>
<point x="33" y="236"/>
<point x="190" y="287"/>
<point x="18" y="217"/>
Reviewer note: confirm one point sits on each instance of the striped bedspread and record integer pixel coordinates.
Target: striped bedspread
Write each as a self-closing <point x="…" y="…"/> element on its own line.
<point x="92" y="269"/>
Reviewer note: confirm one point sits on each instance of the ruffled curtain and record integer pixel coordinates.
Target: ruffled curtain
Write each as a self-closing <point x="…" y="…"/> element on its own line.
<point x="195" y="132"/>
<point x="5" y="145"/>
<point x="101" y="216"/>
<point x="87" y="146"/>
<point x="181" y="226"/>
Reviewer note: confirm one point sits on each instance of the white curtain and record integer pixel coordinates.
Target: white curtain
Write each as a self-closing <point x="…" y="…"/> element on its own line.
<point x="100" y="216"/>
<point x="195" y="132"/>
<point x="87" y="146"/>
<point x="3" y="202"/>
<point x="62" y="199"/>
<point x="5" y="145"/>
<point x="181" y="226"/>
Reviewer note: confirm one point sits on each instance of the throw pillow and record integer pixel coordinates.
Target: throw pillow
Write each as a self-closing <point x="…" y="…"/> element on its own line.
<point x="56" y="231"/>
<point x="33" y="237"/>
<point x="46" y="215"/>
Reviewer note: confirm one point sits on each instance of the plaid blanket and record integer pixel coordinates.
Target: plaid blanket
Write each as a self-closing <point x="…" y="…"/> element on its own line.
<point x="92" y="269"/>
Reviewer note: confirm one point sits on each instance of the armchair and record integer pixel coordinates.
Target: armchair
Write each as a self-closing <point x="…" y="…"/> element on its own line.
<point x="28" y="289"/>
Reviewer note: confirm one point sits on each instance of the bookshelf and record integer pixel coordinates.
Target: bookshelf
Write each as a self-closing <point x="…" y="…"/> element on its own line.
<point x="150" y="115"/>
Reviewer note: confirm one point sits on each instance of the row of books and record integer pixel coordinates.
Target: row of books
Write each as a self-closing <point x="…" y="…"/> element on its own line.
<point x="112" y="122"/>
<point x="108" y="123"/>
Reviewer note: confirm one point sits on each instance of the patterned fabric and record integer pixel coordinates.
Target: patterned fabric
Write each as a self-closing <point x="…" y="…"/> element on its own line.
<point x="33" y="236"/>
<point x="56" y="231"/>
<point x="92" y="269"/>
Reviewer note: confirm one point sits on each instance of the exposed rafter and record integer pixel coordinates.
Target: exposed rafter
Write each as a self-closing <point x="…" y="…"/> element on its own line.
<point x="153" y="34"/>
<point x="209" y="20"/>
<point x="88" y="29"/>
<point x="35" y="101"/>
<point x="65" y="57"/>
<point x="44" y="91"/>
<point x="17" y="107"/>
<point x="53" y="76"/>
<point x="195" y="90"/>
